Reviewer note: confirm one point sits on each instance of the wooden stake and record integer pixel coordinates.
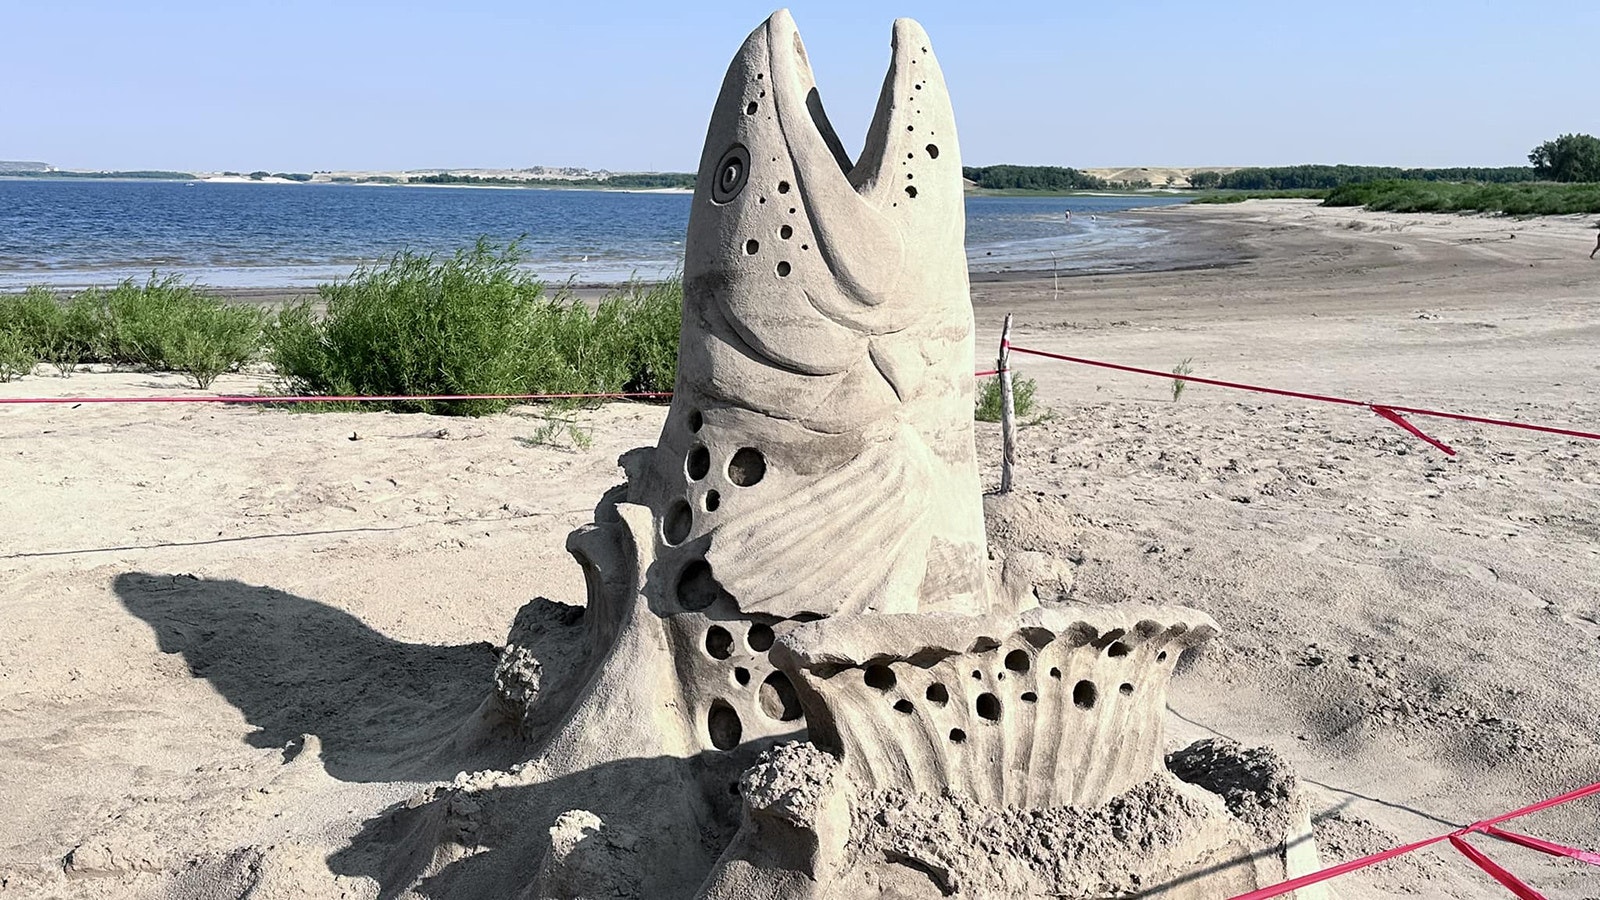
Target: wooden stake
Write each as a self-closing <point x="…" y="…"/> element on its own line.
<point x="1008" y="412"/>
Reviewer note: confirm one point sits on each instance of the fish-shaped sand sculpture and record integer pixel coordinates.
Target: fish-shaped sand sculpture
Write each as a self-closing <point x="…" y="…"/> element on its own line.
<point x="802" y="555"/>
<point x="818" y="458"/>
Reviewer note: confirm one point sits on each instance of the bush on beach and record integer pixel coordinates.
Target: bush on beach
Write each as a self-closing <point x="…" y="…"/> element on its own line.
<point x="162" y="324"/>
<point x="474" y="323"/>
<point x="1526" y="199"/>
<point x="471" y="323"/>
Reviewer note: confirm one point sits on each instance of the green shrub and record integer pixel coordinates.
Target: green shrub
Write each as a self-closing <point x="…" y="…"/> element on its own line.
<point x="63" y="336"/>
<point x="17" y="357"/>
<point x="167" y="325"/>
<point x="1022" y="402"/>
<point x="475" y="323"/>
<point x="418" y="325"/>
<point x="207" y="339"/>
<point x="1526" y="199"/>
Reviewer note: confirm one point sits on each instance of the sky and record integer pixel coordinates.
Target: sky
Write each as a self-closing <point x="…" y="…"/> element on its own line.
<point x="343" y="84"/>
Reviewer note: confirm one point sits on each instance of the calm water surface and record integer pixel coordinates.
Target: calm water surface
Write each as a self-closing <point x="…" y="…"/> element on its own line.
<point x="73" y="233"/>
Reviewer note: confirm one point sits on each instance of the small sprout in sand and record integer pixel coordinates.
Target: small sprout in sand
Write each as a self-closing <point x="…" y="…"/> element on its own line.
<point x="559" y="428"/>
<point x="1182" y="368"/>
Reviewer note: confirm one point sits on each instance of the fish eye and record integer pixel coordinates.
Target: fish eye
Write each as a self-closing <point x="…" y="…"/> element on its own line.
<point x="731" y="174"/>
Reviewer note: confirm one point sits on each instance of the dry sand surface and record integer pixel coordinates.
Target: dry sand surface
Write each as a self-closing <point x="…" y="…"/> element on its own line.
<point x="233" y="637"/>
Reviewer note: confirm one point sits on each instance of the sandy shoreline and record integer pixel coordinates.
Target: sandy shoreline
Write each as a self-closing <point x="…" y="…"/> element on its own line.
<point x="187" y="590"/>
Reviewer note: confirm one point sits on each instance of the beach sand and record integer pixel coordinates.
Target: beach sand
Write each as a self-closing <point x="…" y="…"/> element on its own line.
<point x="188" y="590"/>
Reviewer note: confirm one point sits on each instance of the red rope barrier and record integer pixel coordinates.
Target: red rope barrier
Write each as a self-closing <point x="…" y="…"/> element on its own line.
<point x="1389" y="411"/>
<point x="1456" y="839"/>
<point x="392" y="398"/>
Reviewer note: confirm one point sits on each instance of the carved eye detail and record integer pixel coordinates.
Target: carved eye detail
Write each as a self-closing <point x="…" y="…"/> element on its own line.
<point x="731" y="174"/>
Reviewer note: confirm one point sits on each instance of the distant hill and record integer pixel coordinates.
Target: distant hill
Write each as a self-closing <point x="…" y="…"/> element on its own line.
<point x="1157" y="175"/>
<point x="14" y="166"/>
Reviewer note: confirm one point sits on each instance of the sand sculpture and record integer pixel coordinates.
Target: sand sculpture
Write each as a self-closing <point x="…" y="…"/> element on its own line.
<point x="793" y="617"/>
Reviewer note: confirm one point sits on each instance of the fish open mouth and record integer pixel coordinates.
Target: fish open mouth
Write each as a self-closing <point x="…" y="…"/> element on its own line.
<point x="910" y="86"/>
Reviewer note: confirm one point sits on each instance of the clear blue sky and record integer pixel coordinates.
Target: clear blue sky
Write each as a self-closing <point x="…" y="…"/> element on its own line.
<point x="299" y="86"/>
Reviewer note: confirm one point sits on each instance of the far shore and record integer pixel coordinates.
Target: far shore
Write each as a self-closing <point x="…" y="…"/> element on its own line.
<point x="1200" y="237"/>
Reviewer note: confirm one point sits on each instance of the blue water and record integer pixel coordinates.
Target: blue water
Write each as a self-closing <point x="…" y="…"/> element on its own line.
<point x="74" y="233"/>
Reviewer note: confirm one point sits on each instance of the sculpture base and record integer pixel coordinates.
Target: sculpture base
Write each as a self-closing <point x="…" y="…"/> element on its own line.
<point x="1239" y="823"/>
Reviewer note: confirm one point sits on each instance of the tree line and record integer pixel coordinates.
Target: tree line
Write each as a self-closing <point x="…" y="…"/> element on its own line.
<point x="1568" y="158"/>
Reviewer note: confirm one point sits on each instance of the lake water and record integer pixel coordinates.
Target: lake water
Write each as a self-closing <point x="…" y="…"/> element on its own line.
<point x="80" y="232"/>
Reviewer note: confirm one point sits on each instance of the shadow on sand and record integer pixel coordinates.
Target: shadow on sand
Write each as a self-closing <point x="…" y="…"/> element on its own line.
<point x="293" y="666"/>
<point x="386" y="710"/>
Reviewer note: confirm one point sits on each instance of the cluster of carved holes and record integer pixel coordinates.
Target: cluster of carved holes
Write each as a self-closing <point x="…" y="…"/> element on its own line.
<point x="775" y="696"/>
<point x="1085" y="695"/>
<point x="719" y="641"/>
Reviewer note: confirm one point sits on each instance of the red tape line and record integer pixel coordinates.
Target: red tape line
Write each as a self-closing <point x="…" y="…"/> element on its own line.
<point x="385" y="398"/>
<point x="1320" y="398"/>
<point x="1511" y="882"/>
<point x="1543" y="846"/>
<point x="1485" y="826"/>
<point x="1396" y="418"/>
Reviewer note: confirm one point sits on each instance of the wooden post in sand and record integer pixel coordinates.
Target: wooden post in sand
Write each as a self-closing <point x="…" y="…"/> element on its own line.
<point x="1008" y="412"/>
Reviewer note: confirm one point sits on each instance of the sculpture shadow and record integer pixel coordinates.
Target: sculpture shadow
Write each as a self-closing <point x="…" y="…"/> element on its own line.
<point x="666" y="821"/>
<point x="294" y="666"/>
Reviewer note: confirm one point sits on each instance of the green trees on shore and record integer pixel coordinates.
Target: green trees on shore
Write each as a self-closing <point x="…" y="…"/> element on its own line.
<point x="1570" y="157"/>
<point x="1319" y="177"/>
<point x="1032" y="178"/>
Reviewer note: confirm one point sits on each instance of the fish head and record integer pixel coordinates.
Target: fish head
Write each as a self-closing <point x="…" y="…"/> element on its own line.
<point x="798" y="254"/>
